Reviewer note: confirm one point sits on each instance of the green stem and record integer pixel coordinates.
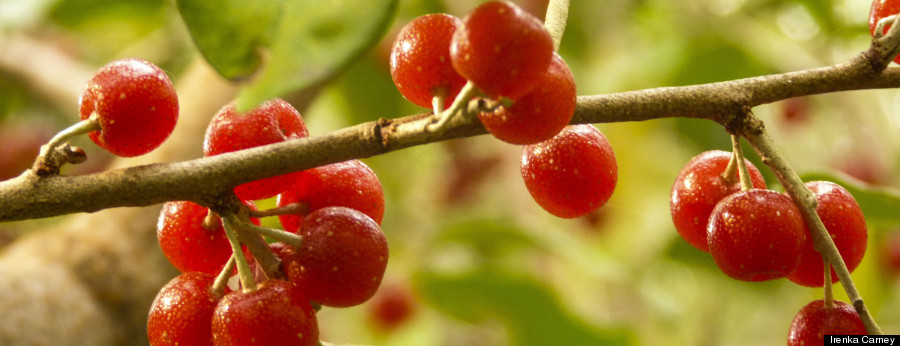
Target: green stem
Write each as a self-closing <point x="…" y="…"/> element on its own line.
<point x="247" y="281"/>
<point x="555" y="20"/>
<point x="286" y="237"/>
<point x="289" y="209"/>
<point x="92" y="123"/>
<point x="218" y="287"/>
<point x="738" y="157"/>
<point x="459" y="106"/>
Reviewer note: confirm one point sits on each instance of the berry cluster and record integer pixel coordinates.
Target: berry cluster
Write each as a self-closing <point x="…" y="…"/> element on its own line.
<point x="332" y="250"/>
<point x="507" y="54"/>
<point x="756" y="234"/>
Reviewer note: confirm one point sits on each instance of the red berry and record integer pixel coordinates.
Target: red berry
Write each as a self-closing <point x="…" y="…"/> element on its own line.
<point x="391" y="307"/>
<point x="756" y="235"/>
<point x="420" y="60"/>
<point x="136" y="105"/>
<point x="342" y="259"/>
<point x="540" y="114"/>
<point x="271" y="122"/>
<point x="501" y="48"/>
<point x="349" y="184"/>
<point x="844" y="221"/>
<point x="890" y="253"/>
<point x="189" y="245"/>
<point x="182" y="311"/>
<point x="882" y="9"/>
<point x="698" y="188"/>
<point x="571" y="174"/>
<point x="22" y="141"/>
<point x="276" y="313"/>
<point x="814" y="321"/>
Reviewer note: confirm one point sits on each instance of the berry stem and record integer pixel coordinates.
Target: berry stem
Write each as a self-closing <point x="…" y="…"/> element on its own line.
<point x="888" y="44"/>
<point x="555" y="20"/>
<point x="728" y="176"/>
<point x="746" y="183"/>
<point x="286" y="237"/>
<point x="755" y="133"/>
<point x="247" y="281"/>
<point x="218" y="287"/>
<point x="440" y="120"/>
<point x="211" y="221"/>
<point x="438" y="102"/>
<point x="45" y="162"/>
<point x="289" y="209"/>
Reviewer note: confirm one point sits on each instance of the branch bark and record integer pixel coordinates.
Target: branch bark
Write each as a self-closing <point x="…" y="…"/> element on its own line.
<point x="208" y="181"/>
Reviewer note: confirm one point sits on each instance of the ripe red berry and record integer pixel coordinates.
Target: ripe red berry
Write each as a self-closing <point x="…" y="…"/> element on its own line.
<point x="844" y="221"/>
<point x="814" y="321"/>
<point x="420" y="60"/>
<point x="182" y="311"/>
<point x="391" y="307"/>
<point x="342" y="259"/>
<point x="189" y="245"/>
<point x="501" y="48"/>
<point x="756" y="235"/>
<point x="350" y="184"/>
<point x="276" y="313"/>
<point x="571" y="174"/>
<point x="540" y="114"/>
<point x="271" y="122"/>
<point x="136" y="105"/>
<point x="699" y="186"/>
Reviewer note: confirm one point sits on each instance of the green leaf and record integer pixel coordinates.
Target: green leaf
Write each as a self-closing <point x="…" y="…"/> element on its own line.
<point x="314" y="41"/>
<point x="526" y="306"/>
<point x="231" y="34"/>
<point x="878" y="204"/>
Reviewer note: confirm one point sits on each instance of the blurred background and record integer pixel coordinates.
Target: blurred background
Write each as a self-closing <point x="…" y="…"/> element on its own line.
<point x="474" y="261"/>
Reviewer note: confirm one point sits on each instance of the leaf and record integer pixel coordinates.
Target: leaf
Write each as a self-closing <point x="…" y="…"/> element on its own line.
<point x="314" y="41"/>
<point x="527" y="307"/>
<point x="878" y="204"/>
<point x="231" y="34"/>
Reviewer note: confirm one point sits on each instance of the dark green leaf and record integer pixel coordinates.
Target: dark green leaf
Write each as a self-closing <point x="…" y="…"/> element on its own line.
<point x="314" y="41"/>
<point x="231" y="34"/>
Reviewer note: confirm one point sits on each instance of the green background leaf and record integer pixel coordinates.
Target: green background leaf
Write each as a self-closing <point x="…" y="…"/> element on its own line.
<point x="231" y="34"/>
<point x="318" y="41"/>
<point x="527" y="307"/>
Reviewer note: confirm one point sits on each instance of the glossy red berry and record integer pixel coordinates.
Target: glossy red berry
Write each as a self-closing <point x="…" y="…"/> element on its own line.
<point x="571" y="174"/>
<point x="814" y="321"/>
<point x="501" y="48"/>
<point x="756" y="235"/>
<point x="844" y="221"/>
<point x="540" y="114"/>
<point x="271" y="122"/>
<point x="189" y="245"/>
<point x="697" y="189"/>
<point x="350" y="184"/>
<point x="136" y="105"/>
<point x="276" y="313"/>
<point x="182" y="311"/>
<point x="342" y="259"/>
<point x="420" y="60"/>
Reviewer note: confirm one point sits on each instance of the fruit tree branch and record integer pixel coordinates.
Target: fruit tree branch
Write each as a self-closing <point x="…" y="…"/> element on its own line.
<point x="207" y="181"/>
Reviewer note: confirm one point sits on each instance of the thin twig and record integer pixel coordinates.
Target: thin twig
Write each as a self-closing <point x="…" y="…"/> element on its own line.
<point x="805" y="199"/>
